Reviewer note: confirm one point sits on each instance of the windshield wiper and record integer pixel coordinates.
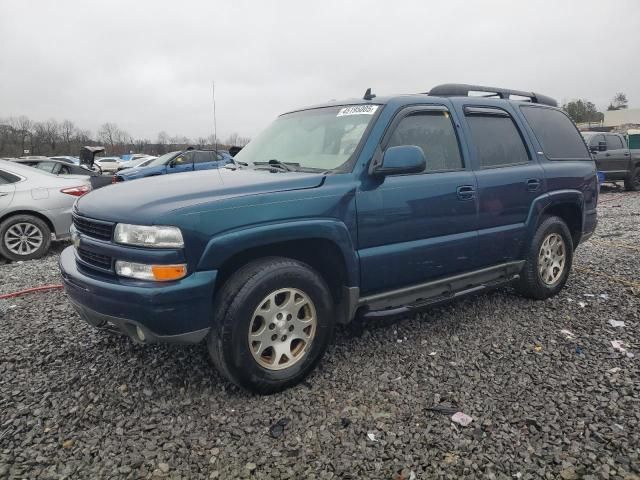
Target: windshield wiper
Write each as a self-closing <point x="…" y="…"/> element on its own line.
<point x="287" y="167"/>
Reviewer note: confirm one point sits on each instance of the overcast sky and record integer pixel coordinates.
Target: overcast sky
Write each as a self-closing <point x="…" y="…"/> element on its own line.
<point x="148" y="65"/>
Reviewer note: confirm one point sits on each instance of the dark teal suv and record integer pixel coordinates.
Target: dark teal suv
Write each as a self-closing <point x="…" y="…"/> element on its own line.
<point x="353" y="209"/>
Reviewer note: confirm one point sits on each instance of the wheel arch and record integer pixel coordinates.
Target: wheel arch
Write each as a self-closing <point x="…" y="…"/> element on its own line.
<point x="566" y="204"/>
<point x="33" y="213"/>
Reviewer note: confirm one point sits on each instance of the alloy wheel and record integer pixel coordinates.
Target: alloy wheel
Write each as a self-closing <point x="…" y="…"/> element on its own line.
<point x="552" y="259"/>
<point x="23" y="238"/>
<point x="282" y="328"/>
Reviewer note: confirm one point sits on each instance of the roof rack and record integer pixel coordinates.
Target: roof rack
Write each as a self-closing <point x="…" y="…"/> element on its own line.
<point x="462" y="90"/>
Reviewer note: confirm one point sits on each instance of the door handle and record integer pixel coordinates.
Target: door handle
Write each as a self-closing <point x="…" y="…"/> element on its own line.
<point x="533" y="184"/>
<point x="607" y="154"/>
<point x="3" y="194"/>
<point x="626" y="154"/>
<point x="466" y="192"/>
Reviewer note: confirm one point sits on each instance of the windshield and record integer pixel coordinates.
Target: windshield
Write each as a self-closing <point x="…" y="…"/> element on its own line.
<point x="318" y="139"/>
<point x="161" y="160"/>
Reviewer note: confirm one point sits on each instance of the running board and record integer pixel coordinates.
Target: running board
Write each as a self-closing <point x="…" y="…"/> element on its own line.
<point x="404" y="300"/>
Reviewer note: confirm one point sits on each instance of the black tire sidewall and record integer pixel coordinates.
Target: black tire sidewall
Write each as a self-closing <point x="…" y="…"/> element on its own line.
<point x="629" y="183"/>
<point x="531" y="283"/>
<point x="35" y="221"/>
<point x="233" y="335"/>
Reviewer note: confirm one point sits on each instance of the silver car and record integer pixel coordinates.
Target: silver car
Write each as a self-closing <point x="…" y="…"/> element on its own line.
<point x="35" y="208"/>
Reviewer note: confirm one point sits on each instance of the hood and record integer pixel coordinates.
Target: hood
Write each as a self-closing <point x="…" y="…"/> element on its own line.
<point x="146" y="200"/>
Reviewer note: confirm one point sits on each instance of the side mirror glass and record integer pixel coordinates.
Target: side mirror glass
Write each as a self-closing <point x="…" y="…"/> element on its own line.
<point x="602" y="146"/>
<point x="401" y="160"/>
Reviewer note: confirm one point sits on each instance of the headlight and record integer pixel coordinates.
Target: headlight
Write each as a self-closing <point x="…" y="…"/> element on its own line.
<point x="157" y="273"/>
<point x="148" y="236"/>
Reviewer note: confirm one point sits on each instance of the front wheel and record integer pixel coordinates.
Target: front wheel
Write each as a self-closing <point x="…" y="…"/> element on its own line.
<point x="548" y="261"/>
<point x="272" y="323"/>
<point x="632" y="182"/>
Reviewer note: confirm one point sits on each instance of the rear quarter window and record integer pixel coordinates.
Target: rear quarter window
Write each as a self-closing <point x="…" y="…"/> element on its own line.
<point x="558" y="136"/>
<point x="6" y="177"/>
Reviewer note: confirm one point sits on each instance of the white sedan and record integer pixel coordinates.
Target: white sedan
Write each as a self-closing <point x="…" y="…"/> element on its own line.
<point x="109" y="164"/>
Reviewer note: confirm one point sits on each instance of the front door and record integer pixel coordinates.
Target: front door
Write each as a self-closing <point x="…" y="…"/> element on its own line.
<point x="181" y="163"/>
<point x="509" y="179"/>
<point x="419" y="227"/>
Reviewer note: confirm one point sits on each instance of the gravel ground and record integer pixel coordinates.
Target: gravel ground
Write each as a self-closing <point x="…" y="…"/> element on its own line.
<point x="77" y="403"/>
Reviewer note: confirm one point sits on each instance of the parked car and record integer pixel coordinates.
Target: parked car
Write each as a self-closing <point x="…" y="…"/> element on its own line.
<point x="109" y="164"/>
<point x="35" y="207"/>
<point x="63" y="168"/>
<point x="614" y="158"/>
<point x="362" y="208"/>
<point x="138" y="163"/>
<point x="67" y="159"/>
<point x="177" y="162"/>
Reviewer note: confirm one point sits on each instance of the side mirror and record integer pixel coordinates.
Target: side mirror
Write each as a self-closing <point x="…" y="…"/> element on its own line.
<point x="401" y="160"/>
<point x="602" y="146"/>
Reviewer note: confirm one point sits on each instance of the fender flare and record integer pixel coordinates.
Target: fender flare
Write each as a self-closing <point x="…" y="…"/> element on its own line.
<point x="223" y="246"/>
<point x="558" y="197"/>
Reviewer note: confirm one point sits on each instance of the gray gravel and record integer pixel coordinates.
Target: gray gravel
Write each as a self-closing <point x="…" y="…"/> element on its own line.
<point x="77" y="403"/>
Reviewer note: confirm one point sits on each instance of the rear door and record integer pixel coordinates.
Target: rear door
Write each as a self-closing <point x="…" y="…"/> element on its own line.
<point x="206" y="160"/>
<point x="509" y="180"/>
<point x="616" y="157"/>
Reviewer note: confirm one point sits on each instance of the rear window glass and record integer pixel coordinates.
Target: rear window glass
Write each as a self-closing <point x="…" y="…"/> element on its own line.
<point x="556" y="133"/>
<point x="497" y="139"/>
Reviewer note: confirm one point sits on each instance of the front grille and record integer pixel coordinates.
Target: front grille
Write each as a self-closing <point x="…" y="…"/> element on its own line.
<point x="93" y="228"/>
<point x="95" y="259"/>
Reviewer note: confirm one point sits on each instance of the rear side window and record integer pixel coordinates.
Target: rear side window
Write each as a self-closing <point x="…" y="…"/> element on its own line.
<point x="614" y="142"/>
<point x="6" y="177"/>
<point x="556" y="133"/>
<point x="204" y="157"/>
<point x="434" y="133"/>
<point x="497" y="140"/>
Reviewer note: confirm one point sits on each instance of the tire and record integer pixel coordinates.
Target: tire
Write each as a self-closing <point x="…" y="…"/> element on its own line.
<point x="632" y="182"/>
<point x="533" y="283"/>
<point x="34" y="228"/>
<point x="264" y="287"/>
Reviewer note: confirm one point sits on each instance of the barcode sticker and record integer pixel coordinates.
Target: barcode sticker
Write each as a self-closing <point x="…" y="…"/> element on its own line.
<point x="357" y="110"/>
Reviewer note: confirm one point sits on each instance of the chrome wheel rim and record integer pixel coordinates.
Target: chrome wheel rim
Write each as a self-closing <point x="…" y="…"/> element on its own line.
<point x="552" y="259"/>
<point x="23" y="238"/>
<point x="282" y="329"/>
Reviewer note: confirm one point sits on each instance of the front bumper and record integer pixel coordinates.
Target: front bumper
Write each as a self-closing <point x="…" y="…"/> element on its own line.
<point x="175" y="312"/>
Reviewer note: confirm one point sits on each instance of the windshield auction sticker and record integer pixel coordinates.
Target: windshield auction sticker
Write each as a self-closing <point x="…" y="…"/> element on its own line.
<point x="357" y="110"/>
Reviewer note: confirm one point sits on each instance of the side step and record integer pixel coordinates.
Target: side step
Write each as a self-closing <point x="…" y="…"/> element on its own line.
<point x="417" y="297"/>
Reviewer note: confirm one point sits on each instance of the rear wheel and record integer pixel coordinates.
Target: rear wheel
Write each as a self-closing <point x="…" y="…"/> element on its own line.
<point x="632" y="182"/>
<point x="272" y="323"/>
<point x="24" y="237"/>
<point x="548" y="261"/>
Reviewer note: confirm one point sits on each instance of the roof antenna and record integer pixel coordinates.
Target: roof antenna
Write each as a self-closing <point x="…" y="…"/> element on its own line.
<point x="215" y="130"/>
<point x="368" y="95"/>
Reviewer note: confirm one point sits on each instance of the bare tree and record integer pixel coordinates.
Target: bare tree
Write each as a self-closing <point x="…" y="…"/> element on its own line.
<point x="232" y="139"/>
<point x="242" y="141"/>
<point x="67" y="133"/>
<point x="51" y="133"/>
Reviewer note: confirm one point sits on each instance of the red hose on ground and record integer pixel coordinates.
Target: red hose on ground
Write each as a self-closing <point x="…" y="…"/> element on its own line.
<point x="30" y="290"/>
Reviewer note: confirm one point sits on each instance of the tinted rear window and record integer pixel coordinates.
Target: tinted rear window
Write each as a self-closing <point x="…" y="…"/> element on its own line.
<point x="556" y="133"/>
<point x="6" y="177"/>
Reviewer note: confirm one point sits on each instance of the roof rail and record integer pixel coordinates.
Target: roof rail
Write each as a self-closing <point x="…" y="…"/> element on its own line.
<point x="462" y="90"/>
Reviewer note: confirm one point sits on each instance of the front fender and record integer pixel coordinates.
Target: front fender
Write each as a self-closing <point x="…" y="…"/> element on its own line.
<point x="225" y="245"/>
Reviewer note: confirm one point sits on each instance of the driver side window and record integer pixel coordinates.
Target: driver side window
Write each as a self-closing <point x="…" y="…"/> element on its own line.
<point x="433" y="132"/>
<point x="183" y="159"/>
